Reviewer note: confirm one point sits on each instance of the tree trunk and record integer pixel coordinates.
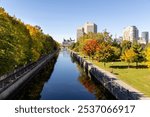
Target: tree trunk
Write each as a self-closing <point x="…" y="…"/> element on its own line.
<point x="104" y="64"/>
<point x="137" y="65"/>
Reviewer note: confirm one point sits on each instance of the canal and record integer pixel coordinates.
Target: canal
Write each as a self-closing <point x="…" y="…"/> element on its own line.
<point x="62" y="79"/>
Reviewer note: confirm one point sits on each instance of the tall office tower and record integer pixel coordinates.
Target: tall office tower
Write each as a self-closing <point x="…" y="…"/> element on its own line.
<point x="131" y="33"/>
<point x="145" y="37"/>
<point x="80" y="32"/>
<point x="90" y="27"/>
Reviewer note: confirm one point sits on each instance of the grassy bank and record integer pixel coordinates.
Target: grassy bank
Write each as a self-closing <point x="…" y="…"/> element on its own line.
<point x="138" y="78"/>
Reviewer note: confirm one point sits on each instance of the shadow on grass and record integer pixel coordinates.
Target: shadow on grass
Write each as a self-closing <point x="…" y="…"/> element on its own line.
<point x="131" y="66"/>
<point x="115" y="73"/>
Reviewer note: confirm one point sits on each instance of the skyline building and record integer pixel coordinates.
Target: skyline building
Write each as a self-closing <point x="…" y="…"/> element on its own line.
<point x="131" y="33"/>
<point x="88" y="27"/>
<point x="145" y="37"/>
<point x="80" y="32"/>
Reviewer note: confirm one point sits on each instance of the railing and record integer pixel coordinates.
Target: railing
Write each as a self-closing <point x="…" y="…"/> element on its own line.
<point x="10" y="78"/>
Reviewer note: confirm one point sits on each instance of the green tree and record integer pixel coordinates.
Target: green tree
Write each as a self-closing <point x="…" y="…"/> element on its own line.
<point x="139" y="54"/>
<point x="116" y="53"/>
<point x="125" y="45"/>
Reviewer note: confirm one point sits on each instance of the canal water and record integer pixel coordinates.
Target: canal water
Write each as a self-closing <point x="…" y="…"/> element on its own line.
<point x="63" y="79"/>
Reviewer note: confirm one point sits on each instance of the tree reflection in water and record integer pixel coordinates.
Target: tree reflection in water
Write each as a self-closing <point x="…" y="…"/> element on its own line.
<point x="93" y="86"/>
<point x="32" y="89"/>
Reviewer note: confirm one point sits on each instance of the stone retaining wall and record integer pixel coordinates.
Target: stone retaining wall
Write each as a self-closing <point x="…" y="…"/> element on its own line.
<point x="118" y="88"/>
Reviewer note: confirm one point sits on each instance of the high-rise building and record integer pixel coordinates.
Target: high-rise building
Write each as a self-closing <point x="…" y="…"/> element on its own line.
<point x="141" y="41"/>
<point x="90" y="27"/>
<point x="145" y="37"/>
<point x="131" y="33"/>
<point x="80" y="32"/>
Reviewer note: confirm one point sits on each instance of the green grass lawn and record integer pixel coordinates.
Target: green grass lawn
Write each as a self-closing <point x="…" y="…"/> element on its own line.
<point x="137" y="78"/>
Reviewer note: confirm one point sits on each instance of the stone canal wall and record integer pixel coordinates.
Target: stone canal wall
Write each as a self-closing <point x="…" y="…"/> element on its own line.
<point x="13" y="82"/>
<point x="118" y="88"/>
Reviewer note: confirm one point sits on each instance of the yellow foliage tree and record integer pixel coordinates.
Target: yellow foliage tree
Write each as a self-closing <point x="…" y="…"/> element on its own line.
<point x="128" y="56"/>
<point x="147" y="53"/>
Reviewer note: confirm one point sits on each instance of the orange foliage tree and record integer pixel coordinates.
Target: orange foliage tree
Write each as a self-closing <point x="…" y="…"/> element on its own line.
<point x="90" y="47"/>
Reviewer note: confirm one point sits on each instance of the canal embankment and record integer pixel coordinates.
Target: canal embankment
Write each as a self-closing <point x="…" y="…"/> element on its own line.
<point x="12" y="83"/>
<point x="62" y="78"/>
<point x="115" y="86"/>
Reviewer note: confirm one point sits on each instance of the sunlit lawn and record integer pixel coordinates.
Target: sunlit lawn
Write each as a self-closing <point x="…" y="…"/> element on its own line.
<point x="137" y="78"/>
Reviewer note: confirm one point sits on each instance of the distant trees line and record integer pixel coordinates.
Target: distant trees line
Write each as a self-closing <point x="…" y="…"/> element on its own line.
<point x="103" y="48"/>
<point x="21" y="43"/>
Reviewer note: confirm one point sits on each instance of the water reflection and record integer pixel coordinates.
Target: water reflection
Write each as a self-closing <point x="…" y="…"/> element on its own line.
<point x="64" y="52"/>
<point x="33" y="88"/>
<point x="65" y="80"/>
<point x="93" y="86"/>
<point x="64" y="83"/>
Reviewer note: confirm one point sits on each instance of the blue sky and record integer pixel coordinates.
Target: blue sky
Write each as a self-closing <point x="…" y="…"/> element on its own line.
<point x="60" y="18"/>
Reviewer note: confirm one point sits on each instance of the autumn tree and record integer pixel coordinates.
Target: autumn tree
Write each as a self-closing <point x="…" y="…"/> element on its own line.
<point x="42" y="44"/>
<point x="104" y="53"/>
<point x="90" y="47"/>
<point x="14" y="42"/>
<point x="128" y="56"/>
<point x="21" y="43"/>
<point x="100" y="37"/>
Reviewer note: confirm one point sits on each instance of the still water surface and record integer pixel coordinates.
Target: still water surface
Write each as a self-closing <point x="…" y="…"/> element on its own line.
<point x="64" y="80"/>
